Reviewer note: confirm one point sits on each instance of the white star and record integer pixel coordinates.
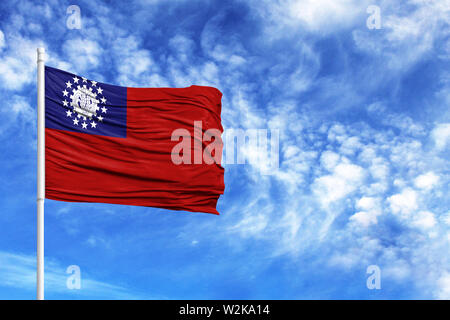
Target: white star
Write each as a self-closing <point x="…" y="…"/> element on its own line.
<point x="104" y="110"/>
<point x="75" y="121"/>
<point x="93" y="124"/>
<point x="84" y="79"/>
<point x="94" y="83"/>
<point x="65" y="93"/>
<point x="65" y="103"/>
<point x="69" y="113"/>
<point x="100" y="118"/>
<point x="100" y="90"/>
<point x="68" y="84"/>
<point x="103" y="100"/>
<point x="84" y="125"/>
<point x="75" y="80"/>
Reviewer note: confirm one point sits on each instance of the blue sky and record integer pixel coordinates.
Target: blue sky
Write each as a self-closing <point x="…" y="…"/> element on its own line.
<point x="364" y="123"/>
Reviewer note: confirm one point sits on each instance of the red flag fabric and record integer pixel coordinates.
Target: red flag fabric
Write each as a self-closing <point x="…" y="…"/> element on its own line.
<point x="113" y="144"/>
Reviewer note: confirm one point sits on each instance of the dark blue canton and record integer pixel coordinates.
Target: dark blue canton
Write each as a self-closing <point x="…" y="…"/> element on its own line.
<point x="74" y="103"/>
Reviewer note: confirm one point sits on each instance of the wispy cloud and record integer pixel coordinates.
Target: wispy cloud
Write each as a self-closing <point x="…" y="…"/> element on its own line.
<point x="19" y="271"/>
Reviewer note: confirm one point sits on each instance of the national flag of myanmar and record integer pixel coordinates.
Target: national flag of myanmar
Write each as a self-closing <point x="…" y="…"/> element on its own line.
<point x="112" y="144"/>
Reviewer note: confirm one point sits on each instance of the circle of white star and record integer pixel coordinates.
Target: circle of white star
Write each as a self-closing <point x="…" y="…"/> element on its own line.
<point x="84" y="101"/>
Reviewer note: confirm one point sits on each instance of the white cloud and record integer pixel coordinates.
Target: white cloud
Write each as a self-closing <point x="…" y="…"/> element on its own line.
<point x="84" y="54"/>
<point x="252" y="225"/>
<point x="220" y="48"/>
<point x="183" y="47"/>
<point x="446" y="218"/>
<point x="404" y="203"/>
<point x="364" y="218"/>
<point x="367" y="154"/>
<point x="133" y="62"/>
<point x="95" y="241"/>
<point x="313" y="15"/>
<point x="21" y="108"/>
<point x="350" y="146"/>
<point x="441" y="136"/>
<point x="18" y="62"/>
<point x="397" y="269"/>
<point x="16" y="112"/>
<point x="345" y="179"/>
<point x="424" y="220"/>
<point x="444" y="287"/>
<point x="408" y="34"/>
<point x="320" y="15"/>
<point x="367" y="203"/>
<point x="395" y="120"/>
<point x="329" y="160"/>
<point x="370" y="208"/>
<point x="379" y="168"/>
<point x="337" y="133"/>
<point x="426" y="181"/>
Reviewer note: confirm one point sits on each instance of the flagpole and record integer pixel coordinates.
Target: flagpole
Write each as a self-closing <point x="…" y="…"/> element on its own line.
<point x="40" y="172"/>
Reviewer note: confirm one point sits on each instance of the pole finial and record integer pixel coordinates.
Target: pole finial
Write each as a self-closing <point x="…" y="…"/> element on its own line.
<point x="40" y="54"/>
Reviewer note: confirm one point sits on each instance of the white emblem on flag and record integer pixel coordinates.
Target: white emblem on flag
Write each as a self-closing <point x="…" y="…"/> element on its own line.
<point x="85" y="101"/>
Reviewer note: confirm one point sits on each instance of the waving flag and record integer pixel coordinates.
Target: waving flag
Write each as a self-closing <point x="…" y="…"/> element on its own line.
<point x="112" y="144"/>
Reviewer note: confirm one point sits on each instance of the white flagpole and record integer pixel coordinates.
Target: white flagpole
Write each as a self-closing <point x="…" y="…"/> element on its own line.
<point x="40" y="172"/>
